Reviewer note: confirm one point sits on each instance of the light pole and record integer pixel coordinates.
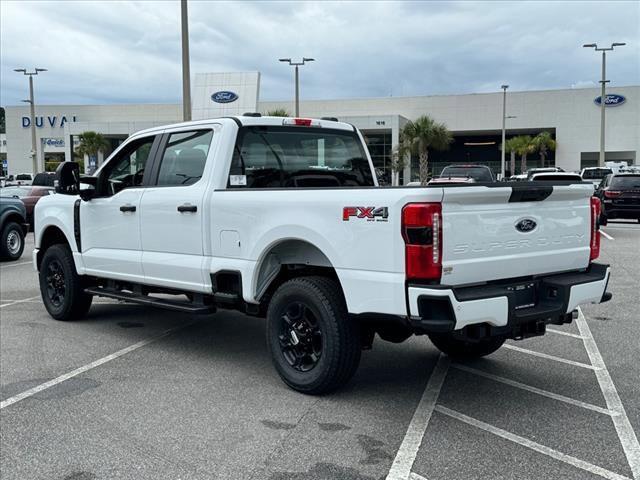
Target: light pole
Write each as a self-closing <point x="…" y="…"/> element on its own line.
<point x="603" y="96"/>
<point x="34" y="148"/>
<point x="297" y="64"/>
<point x="186" y="70"/>
<point x="504" y="132"/>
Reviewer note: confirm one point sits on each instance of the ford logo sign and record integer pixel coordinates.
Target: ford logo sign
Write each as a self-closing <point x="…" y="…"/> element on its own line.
<point x="526" y="225"/>
<point x="611" y="100"/>
<point x="224" y="97"/>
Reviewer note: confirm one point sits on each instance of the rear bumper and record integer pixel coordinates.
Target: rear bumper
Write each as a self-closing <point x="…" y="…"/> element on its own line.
<point x="553" y="298"/>
<point x="618" y="210"/>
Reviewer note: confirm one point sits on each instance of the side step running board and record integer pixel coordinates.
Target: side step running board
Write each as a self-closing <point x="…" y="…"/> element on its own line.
<point x="185" y="307"/>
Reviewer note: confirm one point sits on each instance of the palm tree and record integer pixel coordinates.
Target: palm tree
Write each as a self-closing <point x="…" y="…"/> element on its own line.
<point x="278" y="112"/>
<point x="523" y="145"/>
<point x="419" y="136"/>
<point x="543" y="143"/>
<point x="91" y="143"/>
<point x="510" y="148"/>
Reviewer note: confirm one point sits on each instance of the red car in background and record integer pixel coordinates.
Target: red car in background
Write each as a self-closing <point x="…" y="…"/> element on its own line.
<point x="29" y="196"/>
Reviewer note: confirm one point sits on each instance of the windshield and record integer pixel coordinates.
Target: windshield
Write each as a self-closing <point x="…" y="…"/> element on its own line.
<point x="479" y="174"/>
<point x="23" y="177"/>
<point x="627" y="182"/>
<point x="595" y="173"/>
<point x="274" y="156"/>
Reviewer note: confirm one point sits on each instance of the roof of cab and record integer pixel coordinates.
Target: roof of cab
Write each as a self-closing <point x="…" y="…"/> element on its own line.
<point x="250" y="121"/>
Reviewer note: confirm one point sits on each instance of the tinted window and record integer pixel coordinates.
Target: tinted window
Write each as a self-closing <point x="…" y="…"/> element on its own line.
<point x="267" y="157"/>
<point x="23" y="177"/>
<point x="479" y="174"/>
<point x="184" y="158"/>
<point x="555" y="177"/>
<point x="595" y="173"/>
<point x="631" y="182"/>
<point x="126" y="169"/>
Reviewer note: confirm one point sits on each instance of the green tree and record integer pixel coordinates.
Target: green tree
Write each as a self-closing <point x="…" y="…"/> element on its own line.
<point x="543" y="143"/>
<point x="418" y="136"/>
<point x="523" y="146"/>
<point x="3" y="127"/>
<point x="510" y="148"/>
<point x="278" y="112"/>
<point x="92" y="143"/>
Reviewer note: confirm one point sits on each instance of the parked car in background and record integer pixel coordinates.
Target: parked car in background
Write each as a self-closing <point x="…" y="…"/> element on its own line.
<point x="556" y="177"/>
<point x="532" y="171"/>
<point x="619" y="194"/>
<point x="479" y="173"/>
<point x="29" y="196"/>
<point x="441" y="180"/>
<point x="518" y="178"/>
<point x="13" y="227"/>
<point x="595" y="175"/>
<point x="20" y="179"/>
<point x="44" y="179"/>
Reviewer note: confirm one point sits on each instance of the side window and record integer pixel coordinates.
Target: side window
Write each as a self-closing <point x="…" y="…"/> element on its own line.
<point x="127" y="168"/>
<point x="184" y="157"/>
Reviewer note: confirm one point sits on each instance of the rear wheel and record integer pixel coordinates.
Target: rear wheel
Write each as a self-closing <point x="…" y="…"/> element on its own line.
<point x="12" y="241"/>
<point x="315" y="346"/>
<point x="61" y="286"/>
<point x="465" y="349"/>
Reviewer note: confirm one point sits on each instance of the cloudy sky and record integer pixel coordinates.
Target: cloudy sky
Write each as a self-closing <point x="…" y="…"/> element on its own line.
<point x="129" y="52"/>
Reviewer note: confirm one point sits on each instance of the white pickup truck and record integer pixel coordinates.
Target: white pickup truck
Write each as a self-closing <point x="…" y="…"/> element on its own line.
<point x="284" y="219"/>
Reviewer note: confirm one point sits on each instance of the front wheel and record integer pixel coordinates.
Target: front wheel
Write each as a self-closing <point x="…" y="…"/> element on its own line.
<point x="314" y="345"/>
<point x="465" y="349"/>
<point x="12" y="241"/>
<point x="61" y="286"/>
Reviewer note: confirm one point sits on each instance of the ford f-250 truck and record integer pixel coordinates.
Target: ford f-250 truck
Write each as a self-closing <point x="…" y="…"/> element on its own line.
<point x="283" y="218"/>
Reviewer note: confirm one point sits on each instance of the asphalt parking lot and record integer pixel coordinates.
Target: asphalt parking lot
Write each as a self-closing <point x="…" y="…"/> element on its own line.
<point x="137" y="393"/>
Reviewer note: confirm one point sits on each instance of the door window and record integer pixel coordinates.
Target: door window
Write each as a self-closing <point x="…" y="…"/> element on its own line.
<point x="127" y="168"/>
<point x="184" y="158"/>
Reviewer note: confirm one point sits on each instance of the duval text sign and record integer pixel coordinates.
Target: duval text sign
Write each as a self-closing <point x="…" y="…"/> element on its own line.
<point x="52" y="121"/>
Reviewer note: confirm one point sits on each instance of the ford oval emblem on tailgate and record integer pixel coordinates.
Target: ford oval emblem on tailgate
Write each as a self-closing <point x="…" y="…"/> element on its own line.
<point x="526" y="225"/>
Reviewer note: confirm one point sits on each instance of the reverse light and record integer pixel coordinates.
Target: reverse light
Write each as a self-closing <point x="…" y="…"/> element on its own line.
<point x="595" y="228"/>
<point x="422" y="233"/>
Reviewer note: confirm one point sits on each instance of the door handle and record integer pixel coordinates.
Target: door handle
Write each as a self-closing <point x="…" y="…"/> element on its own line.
<point x="187" y="208"/>
<point x="127" y="208"/>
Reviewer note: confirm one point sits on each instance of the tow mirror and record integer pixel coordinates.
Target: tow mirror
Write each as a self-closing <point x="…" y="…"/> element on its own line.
<point x="67" y="180"/>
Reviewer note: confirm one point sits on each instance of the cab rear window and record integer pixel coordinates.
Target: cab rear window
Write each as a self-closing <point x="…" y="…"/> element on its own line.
<point x="298" y="157"/>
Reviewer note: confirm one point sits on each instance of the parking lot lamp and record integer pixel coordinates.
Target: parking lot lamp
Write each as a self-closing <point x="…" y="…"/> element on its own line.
<point x="297" y="83"/>
<point x="504" y="124"/>
<point x="186" y="69"/>
<point x="34" y="149"/>
<point x="603" y="96"/>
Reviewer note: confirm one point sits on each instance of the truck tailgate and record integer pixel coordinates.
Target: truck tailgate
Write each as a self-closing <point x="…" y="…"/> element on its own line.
<point x="492" y="233"/>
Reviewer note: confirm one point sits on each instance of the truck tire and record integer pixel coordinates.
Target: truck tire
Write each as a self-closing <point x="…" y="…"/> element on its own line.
<point x="60" y="285"/>
<point x="12" y="241"/>
<point x="314" y="345"/>
<point x="464" y="349"/>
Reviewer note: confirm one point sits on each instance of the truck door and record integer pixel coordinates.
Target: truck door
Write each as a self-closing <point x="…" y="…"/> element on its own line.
<point x="172" y="217"/>
<point x="110" y="223"/>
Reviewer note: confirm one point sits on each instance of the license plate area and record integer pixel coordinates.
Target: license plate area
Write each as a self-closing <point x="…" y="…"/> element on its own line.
<point x="525" y="294"/>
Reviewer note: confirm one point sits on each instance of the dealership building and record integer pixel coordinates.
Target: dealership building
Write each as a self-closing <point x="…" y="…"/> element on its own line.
<point x="572" y="116"/>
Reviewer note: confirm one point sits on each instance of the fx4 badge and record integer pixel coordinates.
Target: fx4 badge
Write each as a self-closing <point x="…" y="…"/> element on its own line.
<point x="371" y="214"/>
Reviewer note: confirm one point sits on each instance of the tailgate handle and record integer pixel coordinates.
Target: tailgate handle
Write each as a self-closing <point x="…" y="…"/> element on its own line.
<point x="529" y="193"/>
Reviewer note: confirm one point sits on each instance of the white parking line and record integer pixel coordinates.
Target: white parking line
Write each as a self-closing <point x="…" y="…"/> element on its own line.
<point x="606" y="235"/>
<point x="85" y="368"/>
<point x="550" y="357"/>
<point x="2" y="267"/>
<point x="401" y="467"/>
<point x="415" y="476"/>
<point x="539" y="391"/>
<point x="19" y="301"/>
<point x="560" y="332"/>
<point x="621" y="422"/>
<point x="525" y="442"/>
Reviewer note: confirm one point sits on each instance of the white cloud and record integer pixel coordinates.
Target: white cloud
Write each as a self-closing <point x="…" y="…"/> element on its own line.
<point x="112" y="52"/>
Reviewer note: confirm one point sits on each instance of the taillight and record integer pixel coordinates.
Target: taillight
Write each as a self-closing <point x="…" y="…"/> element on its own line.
<point x="422" y="233"/>
<point x="612" y="193"/>
<point x="595" y="228"/>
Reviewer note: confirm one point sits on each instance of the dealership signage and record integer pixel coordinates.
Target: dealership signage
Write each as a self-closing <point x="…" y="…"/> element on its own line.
<point x="53" y="142"/>
<point x="52" y="121"/>
<point x="224" y="96"/>
<point x="611" y="100"/>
